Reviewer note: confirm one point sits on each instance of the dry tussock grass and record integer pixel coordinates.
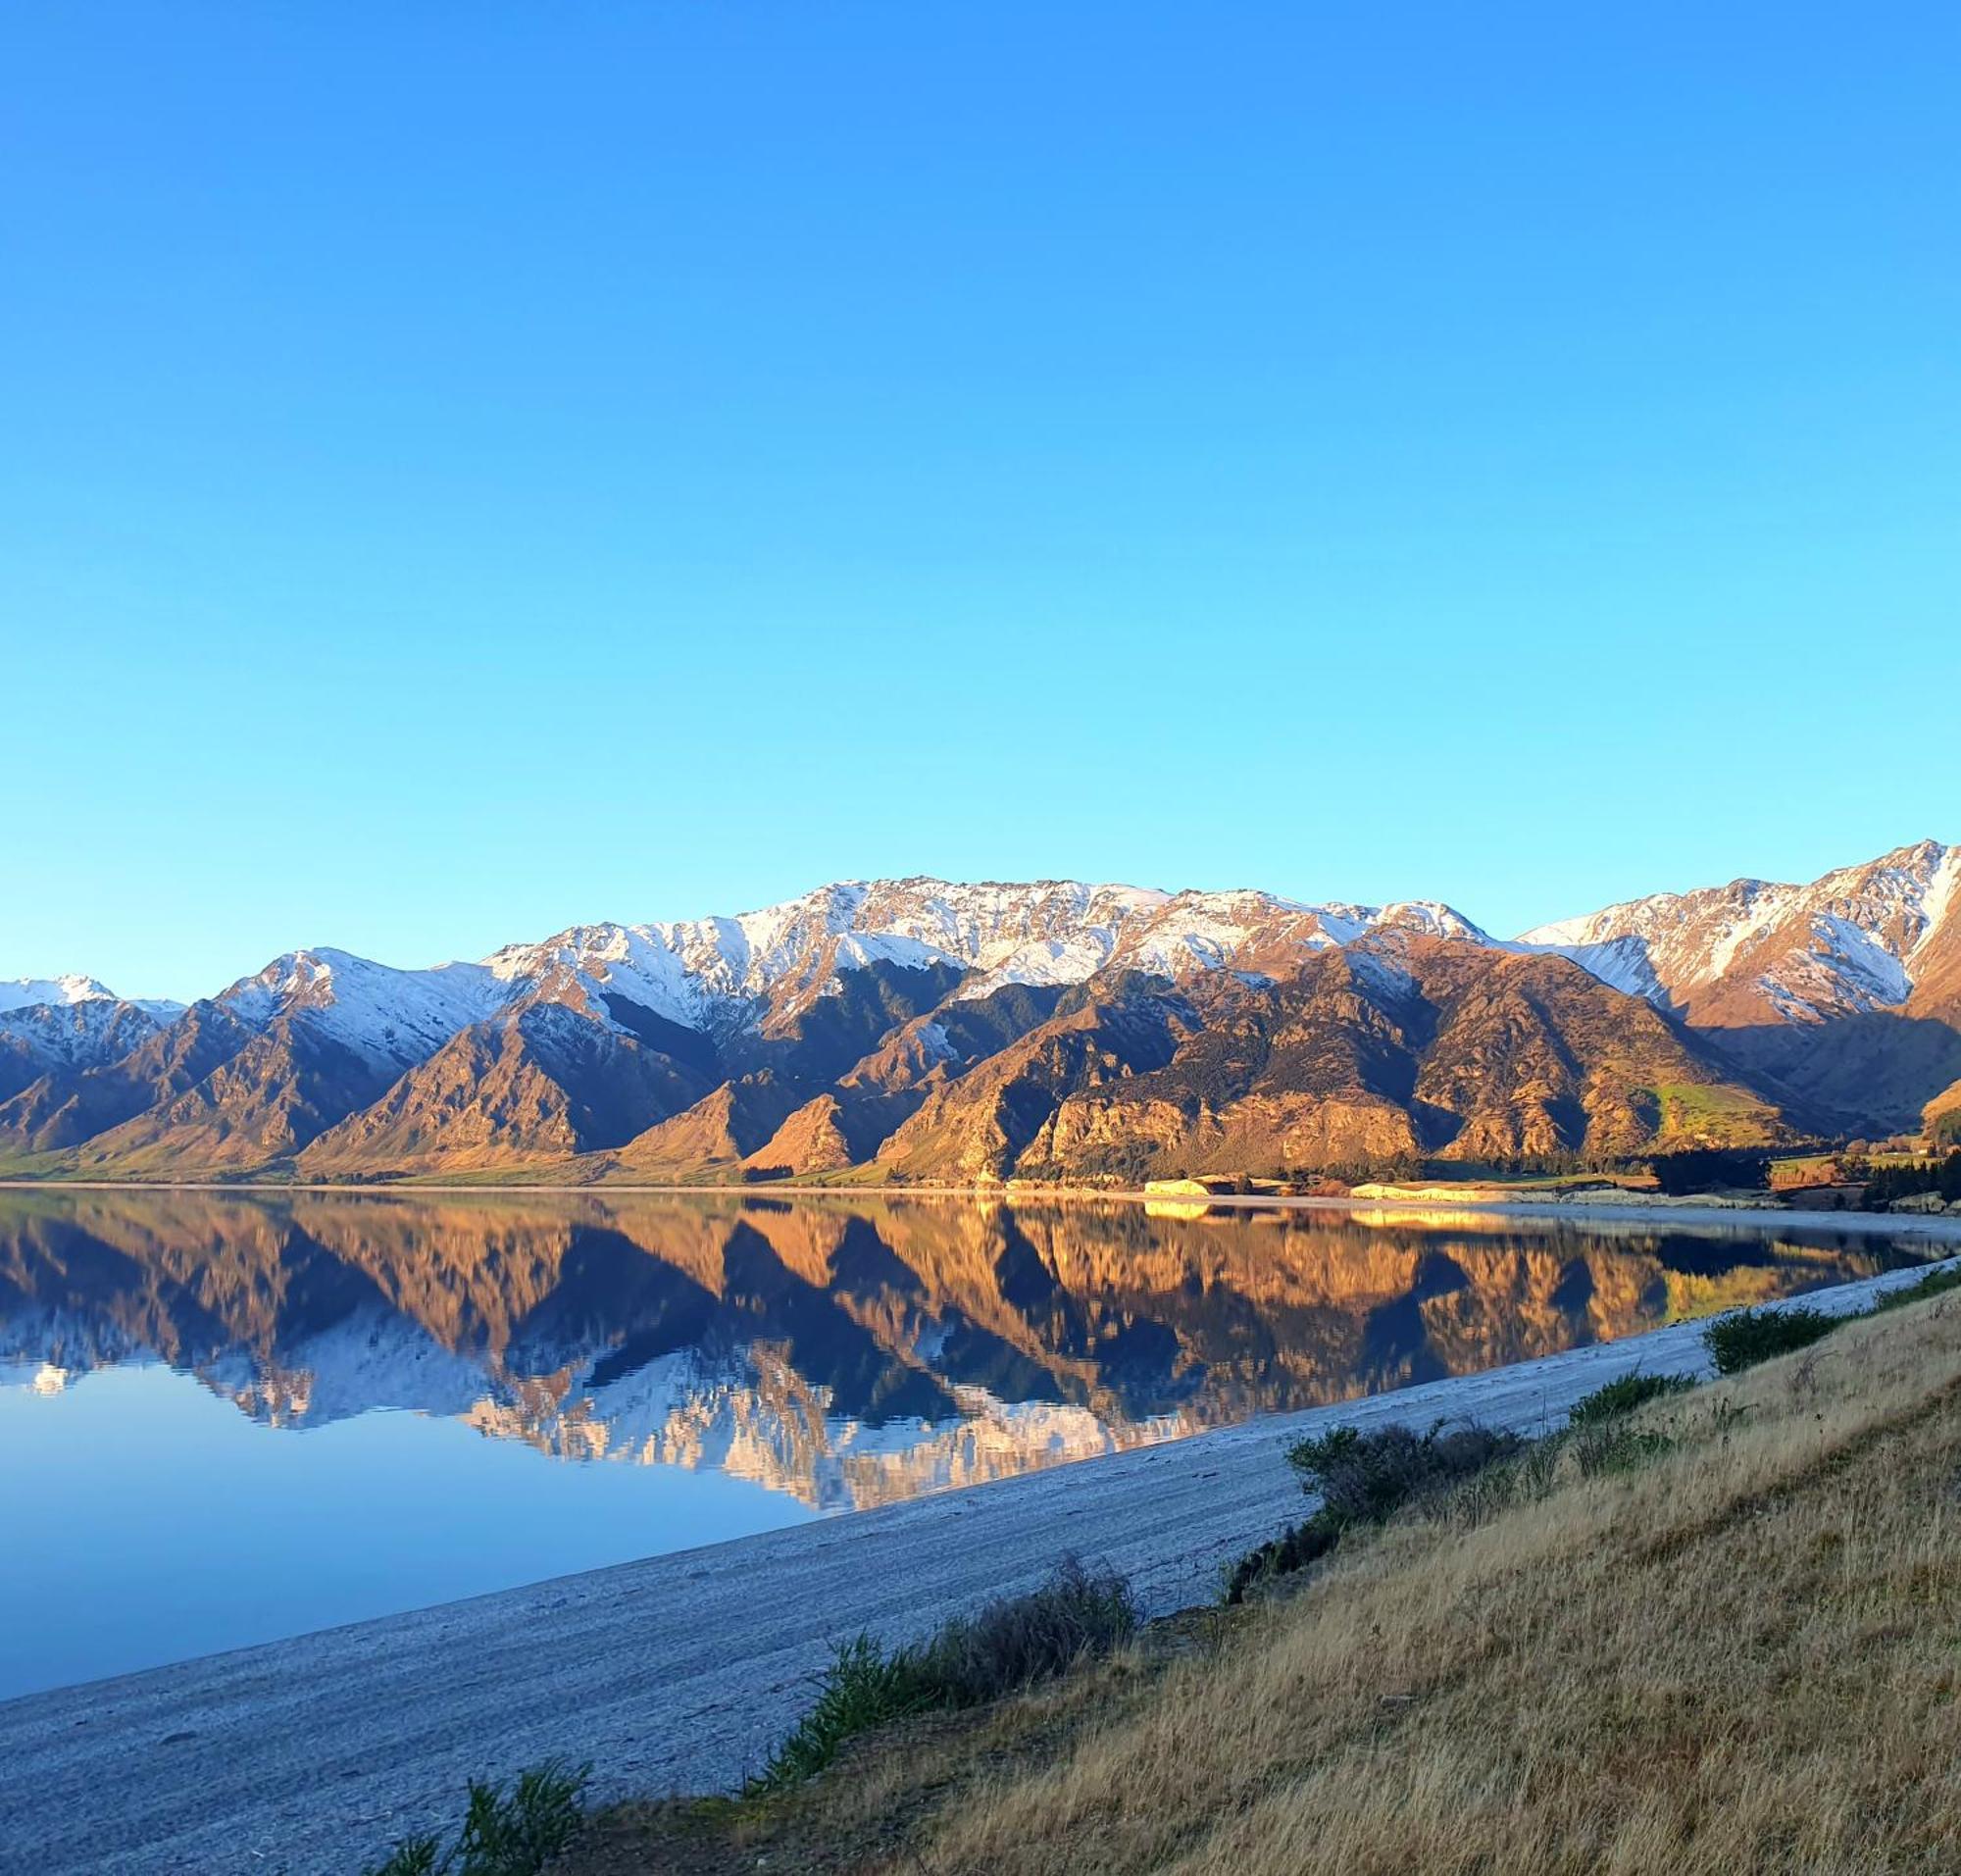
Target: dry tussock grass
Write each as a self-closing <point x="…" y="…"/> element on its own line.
<point x="1744" y="1657"/>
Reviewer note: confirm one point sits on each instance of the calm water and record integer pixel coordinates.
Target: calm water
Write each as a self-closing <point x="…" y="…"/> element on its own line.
<point x="224" y="1420"/>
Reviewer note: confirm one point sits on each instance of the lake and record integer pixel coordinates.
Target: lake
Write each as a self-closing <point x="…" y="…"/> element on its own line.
<point x="227" y="1418"/>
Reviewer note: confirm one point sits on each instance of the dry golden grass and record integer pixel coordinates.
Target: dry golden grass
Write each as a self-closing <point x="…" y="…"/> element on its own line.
<point x="1744" y="1657"/>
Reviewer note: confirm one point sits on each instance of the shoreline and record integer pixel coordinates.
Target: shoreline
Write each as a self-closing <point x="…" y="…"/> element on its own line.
<point x="674" y="1673"/>
<point x="1458" y="1211"/>
<point x="1001" y="1193"/>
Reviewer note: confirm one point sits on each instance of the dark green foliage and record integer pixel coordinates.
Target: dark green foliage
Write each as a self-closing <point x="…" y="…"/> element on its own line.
<point x="1885" y="1183"/>
<point x="1712" y="1169"/>
<point x="505" y="1833"/>
<point x="1605" y="1448"/>
<point x="1364" y="1478"/>
<point x="1746" y="1337"/>
<point x="1020" y="1639"/>
<point x="1011" y="1643"/>
<point x="864" y="1687"/>
<point x="1298" y="1545"/>
<point x="1935" y="1283"/>
<point x="1367" y="1478"/>
<point x="1623" y="1396"/>
<point x="418" y="1856"/>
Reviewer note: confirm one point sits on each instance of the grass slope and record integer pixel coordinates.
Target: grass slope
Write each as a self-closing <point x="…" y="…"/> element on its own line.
<point x="1744" y="1654"/>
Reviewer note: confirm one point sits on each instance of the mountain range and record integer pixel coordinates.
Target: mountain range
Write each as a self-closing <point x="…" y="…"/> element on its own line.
<point x="921" y="1030"/>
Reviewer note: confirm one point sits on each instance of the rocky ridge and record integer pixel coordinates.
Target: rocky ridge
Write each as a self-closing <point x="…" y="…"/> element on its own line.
<point x="925" y="1030"/>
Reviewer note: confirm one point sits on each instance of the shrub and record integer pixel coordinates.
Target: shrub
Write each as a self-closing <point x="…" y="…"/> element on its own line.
<point x="505" y="1833"/>
<point x="1610" y="1446"/>
<point x="1011" y="1643"/>
<point x="1935" y="1283"/>
<point x="864" y="1687"/>
<point x="1020" y="1639"/>
<point x="1298" y="1545"/>
<point x="1623" y="1396"/>
<point x="1365" y="1478"/>
<point x="1746" y="1337"/>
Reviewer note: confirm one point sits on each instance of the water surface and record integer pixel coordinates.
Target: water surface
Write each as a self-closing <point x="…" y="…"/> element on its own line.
<point x="227" y="1418"/>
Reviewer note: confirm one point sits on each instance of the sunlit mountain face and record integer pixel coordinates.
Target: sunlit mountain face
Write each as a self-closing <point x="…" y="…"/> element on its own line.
<point x="844" y="1353"/>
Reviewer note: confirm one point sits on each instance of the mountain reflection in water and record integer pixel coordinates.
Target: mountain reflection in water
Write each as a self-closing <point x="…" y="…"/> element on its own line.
<point x="849" y="1353"/>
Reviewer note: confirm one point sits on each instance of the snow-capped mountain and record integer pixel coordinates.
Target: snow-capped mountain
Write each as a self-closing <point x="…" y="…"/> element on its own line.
<point x="379" y="1013"/>
<point x="708" y="973"/>
<point x="23" y="993"/>
<point x="1047" y="1027"/>
<point x="1859" y="939"/>
<point x="32" y="992"/>
<point x="1846" y="992"/>
<point x="70" y="1031"/>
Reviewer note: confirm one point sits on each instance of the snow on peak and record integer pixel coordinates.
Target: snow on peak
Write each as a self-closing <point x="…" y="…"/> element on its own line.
<point x="1846" y="941"/>
<point x="25" y="992"/>
<point x="381" y="1013"/>
<point x="84" y="1033"/>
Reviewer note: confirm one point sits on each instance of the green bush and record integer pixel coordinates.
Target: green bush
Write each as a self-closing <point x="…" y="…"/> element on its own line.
<point x="1020" y="1639"/>
<point x="1011" y="1643"/>
<point x="1623" y="1396"/>
<point x="1605" y="1448"/>
<point x="1298" y="1545"/>
<point x="1746" y="1337"/>
<point x="864" y="1687"/>
<point x="505" y="1833"/>
<point x="1366" y="1478"/>
<point x="1935" y="1283"/>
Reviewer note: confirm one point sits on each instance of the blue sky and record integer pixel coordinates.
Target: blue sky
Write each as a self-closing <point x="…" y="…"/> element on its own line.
<point x="470" y="469"/>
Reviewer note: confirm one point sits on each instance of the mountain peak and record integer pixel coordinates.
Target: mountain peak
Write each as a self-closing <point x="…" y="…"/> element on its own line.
<point x="882" y="995"/>
<point x="25" y="992"/>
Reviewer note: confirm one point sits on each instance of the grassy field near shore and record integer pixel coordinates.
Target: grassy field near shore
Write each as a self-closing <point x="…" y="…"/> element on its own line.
<point x="1743" y="1653"/>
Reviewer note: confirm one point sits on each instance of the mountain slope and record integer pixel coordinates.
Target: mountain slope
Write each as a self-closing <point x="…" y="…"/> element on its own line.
<point x="67" y="1106"/>
<point x="1403" y="1049"/>
<point x="1847" y="990"/>
<point x="1942" y="1120"/>
<point x="66" y="1036"/>
<point x="540" y="1084"/>
<point x="283" y="1089"/>
<point x="921" y="1028"/>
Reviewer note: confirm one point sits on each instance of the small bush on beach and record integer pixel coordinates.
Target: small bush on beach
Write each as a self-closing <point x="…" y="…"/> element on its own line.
<point x="505" y="1833"/>
<point x="1013" y="1642"/>
<point x="1935" y="1283"/>
<point x="1298" y="1545"/>
<point x="1746" y="1337"/>
<point x="1624" y="1396"/>
<point x="1366" y="1478"/>
<point x="1020" y="1639"/>
<point x="864" y="1687"/>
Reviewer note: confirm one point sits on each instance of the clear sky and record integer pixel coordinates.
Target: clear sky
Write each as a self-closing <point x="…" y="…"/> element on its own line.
<point x="469" y="469"/>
